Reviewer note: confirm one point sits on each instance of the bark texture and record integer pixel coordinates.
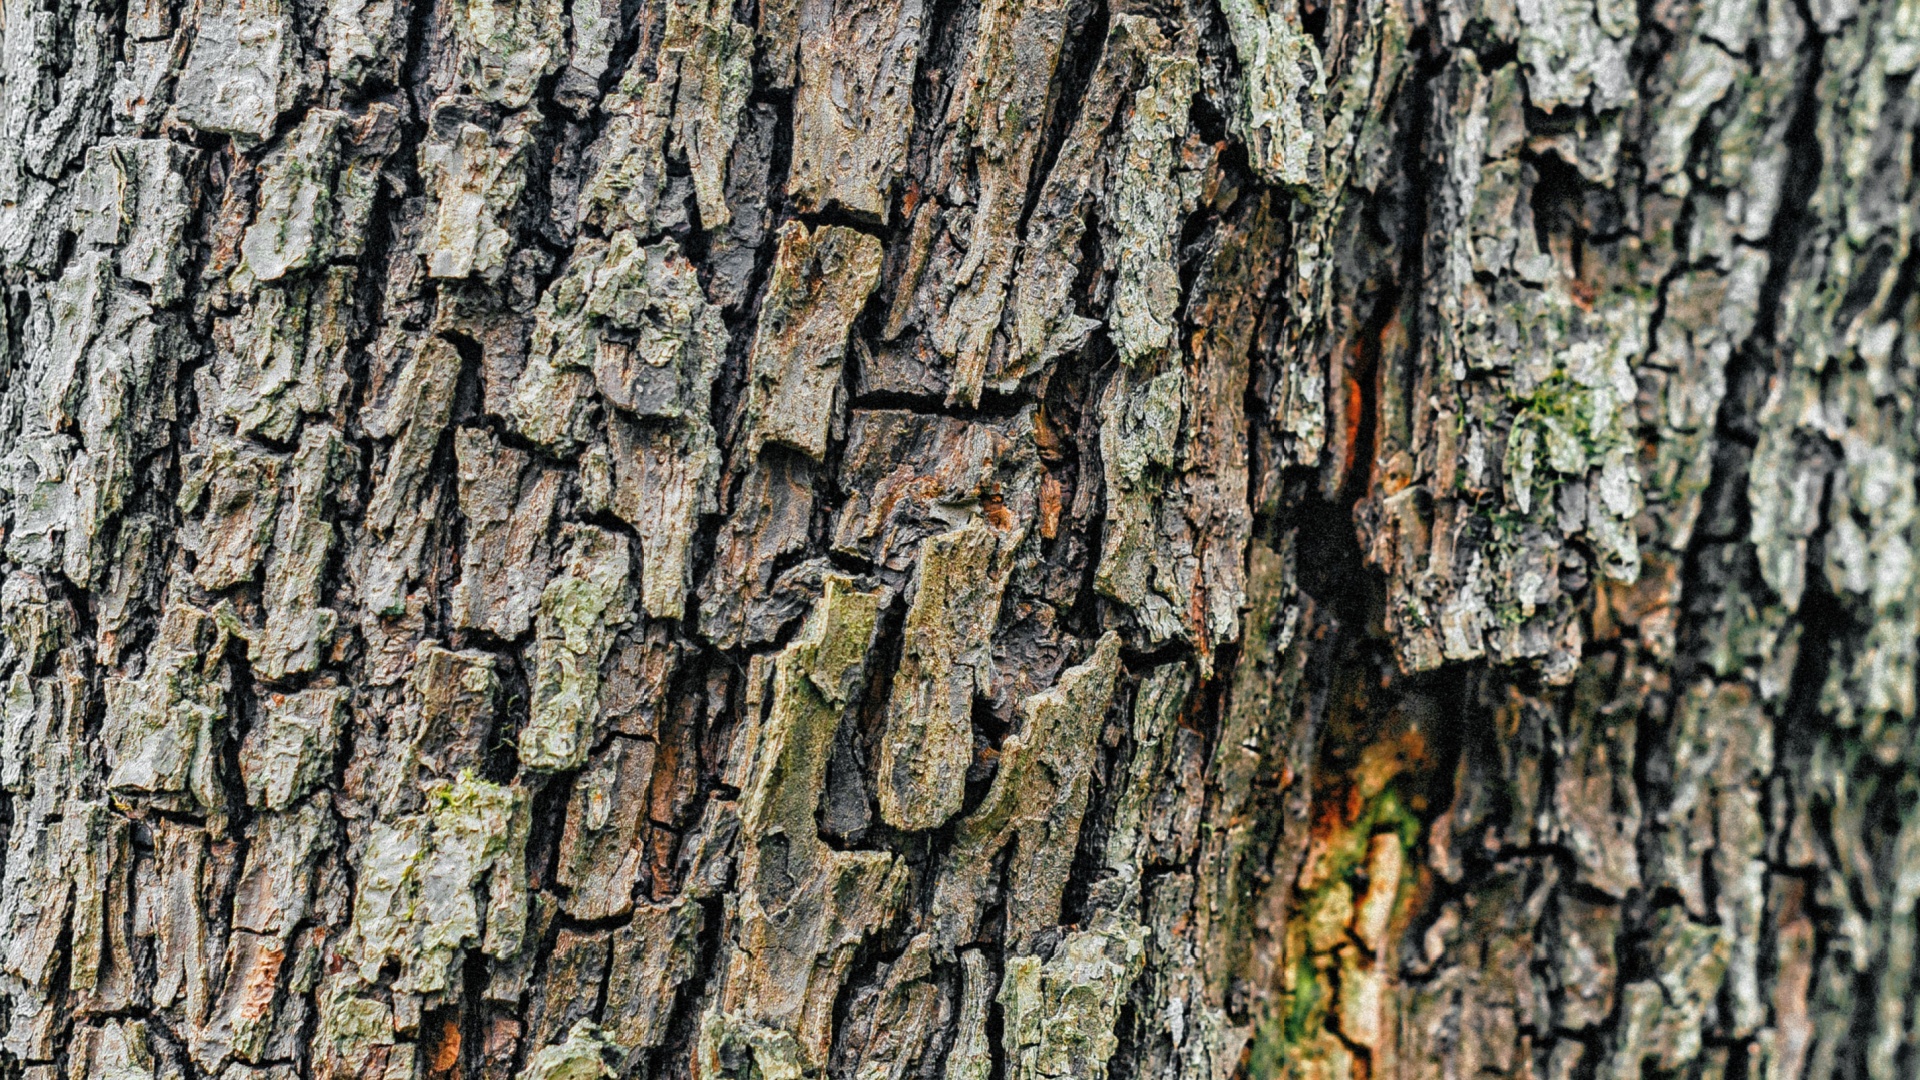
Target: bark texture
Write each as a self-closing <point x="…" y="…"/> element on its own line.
<point x="959" y="539"/>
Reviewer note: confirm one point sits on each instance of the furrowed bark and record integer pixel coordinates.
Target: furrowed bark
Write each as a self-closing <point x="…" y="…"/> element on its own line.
<point x="1001" y="540"/>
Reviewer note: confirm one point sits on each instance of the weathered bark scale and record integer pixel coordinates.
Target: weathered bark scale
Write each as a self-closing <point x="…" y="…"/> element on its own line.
<point x="973" y="540"/>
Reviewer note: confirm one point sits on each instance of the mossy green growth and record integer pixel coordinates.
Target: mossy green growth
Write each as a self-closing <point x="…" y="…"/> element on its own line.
<point x="839" y="641"/>
<point x="1319" y="927"/>
<point x="1558" y="397"/>
<point x="1555" y="422"/>
<point x="1306" y="1012"/>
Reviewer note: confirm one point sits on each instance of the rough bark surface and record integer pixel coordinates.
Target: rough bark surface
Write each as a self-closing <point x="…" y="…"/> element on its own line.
<point x="959" y="539"/>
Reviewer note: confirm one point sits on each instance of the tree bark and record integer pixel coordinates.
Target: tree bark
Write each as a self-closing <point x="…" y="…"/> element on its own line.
<point x="1000" y="540"/>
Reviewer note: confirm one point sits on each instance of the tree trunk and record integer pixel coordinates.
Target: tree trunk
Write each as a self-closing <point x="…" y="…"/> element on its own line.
<point x="1001" y="540"/>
